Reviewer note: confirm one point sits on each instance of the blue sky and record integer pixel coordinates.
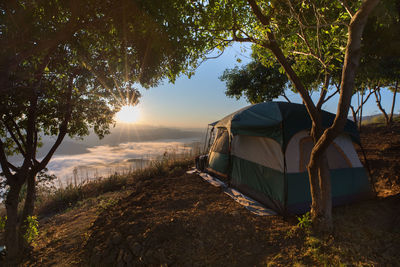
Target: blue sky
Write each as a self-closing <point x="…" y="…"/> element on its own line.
<point x="195" y="102"/>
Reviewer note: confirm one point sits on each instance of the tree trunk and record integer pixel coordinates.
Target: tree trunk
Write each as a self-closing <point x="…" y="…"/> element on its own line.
<point x="319" y="177"/>
<point x="28" y="206"/>
<point x="361" y="110"/>
<point x="379" y="104"/>
<point x="393" y="103"/>
<point x="11" y="228"/>
<point x="317" y="168"/>
<point x="30" y="197"/>
<point x="353" y="112"/>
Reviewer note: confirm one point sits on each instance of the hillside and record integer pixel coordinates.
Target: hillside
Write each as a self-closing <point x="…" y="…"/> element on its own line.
<point x="177" y="219"/>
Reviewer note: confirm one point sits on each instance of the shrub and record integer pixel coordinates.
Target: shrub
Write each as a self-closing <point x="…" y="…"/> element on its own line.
<point x="31" y="229"/>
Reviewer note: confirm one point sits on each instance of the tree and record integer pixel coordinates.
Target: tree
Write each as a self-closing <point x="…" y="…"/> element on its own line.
<point x="380" y="61"/>
<point x="324" y="32"/>
<point x="256" y="82"/>
<point x="68" y="66"/>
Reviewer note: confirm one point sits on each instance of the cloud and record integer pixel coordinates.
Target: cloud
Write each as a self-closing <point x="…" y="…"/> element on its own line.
<point x="102" y="161"/>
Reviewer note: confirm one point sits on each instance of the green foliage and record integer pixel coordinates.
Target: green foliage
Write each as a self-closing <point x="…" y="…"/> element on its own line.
<point x="32" y="231"/>
<point x="3" y="222"/>
<point x="106" y="204"/>
<point x="255" y="82"/>
<point x="67" y="67"/>
<point x="305" y="221"/>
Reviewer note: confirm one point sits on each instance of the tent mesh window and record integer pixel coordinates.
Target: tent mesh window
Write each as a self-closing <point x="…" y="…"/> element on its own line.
<point x="221" y="144"/>
<point x="337" y="159"/>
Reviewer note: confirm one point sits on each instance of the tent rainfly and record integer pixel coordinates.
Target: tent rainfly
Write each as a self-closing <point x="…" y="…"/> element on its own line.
<point x="264" y="149"/>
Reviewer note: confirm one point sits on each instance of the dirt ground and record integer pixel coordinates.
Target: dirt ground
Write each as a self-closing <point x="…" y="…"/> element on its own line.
<point x="184" y="221"/>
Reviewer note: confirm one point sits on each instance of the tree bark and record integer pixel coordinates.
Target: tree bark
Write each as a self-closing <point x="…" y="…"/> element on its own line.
<point x="28" y="206"/>
<point x="11" y="228"/>
<point x="393" y="102"/>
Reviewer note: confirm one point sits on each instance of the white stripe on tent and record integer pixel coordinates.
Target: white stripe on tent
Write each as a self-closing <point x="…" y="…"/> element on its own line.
<point x="261" y="150"/>
<point x="343" y="142"/>
<point x="293" y="153"/>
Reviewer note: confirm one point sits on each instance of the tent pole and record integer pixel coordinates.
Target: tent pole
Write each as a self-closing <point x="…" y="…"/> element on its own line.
<point x="205" y="140"/>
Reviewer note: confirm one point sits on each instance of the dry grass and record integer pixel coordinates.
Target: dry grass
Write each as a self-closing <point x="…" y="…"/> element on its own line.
<point x="50" y="202"/>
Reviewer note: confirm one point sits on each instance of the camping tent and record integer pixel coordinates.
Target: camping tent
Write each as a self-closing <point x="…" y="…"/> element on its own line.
<point x="264" y="149"/>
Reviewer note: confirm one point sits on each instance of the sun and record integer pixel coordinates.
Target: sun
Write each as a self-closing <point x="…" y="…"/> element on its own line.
<point x="128" y="114"/>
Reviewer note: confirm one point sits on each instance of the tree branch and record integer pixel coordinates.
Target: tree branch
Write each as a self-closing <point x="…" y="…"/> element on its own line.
<point x="62" y="131"/>
<point x="344" y="4"/>
<point x="329" y="97"/>
<point x="257" y="11"/>
<point x="4" y="162"/>
<point x="351" y="62"/>
<point x="14" y="138"/>
<point x="324" y="91"/>
<point x="17" y="129"/>
<point x="272" y="45"/>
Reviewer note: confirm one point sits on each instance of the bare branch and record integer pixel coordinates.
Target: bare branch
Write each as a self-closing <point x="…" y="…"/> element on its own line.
<point x="344" y="4"/>
<point x="332" y="95"/>
<point x="324" y="90"/>
<point x="310" y="55"/>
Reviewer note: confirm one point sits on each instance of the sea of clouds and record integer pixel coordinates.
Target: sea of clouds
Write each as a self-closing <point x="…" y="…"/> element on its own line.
<point x="102" y="161"/>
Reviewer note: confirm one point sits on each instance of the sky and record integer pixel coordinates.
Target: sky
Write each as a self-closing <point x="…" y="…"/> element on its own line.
<point x="195" y="102"/>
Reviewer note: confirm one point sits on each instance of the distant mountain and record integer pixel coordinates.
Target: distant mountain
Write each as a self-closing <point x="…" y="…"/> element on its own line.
<point x="120" y="134"/>
<point x="139" y="133"/>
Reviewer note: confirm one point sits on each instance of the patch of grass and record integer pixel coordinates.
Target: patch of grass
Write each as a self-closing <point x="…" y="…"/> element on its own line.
<point x="70" y="196"/>
<point x="106" y="204"/>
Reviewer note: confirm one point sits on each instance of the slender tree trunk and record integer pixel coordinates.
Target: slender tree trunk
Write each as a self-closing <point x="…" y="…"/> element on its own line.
<point x="11" y="228"/>
<point x="353" y="112"/>
<point x="361" y="110"/>
<point x="393" y="103"/>
<point x="379" y="104"/>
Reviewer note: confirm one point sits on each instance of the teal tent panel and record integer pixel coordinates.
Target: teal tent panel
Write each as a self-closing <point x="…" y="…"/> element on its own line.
<point x="296" y="118"/>
<point x="219" y="162"/>
<point x="258" y="178"/>
<point x="277" y="119"/>
<point x="347" y="184"/>
<point x="257" y="116"/>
